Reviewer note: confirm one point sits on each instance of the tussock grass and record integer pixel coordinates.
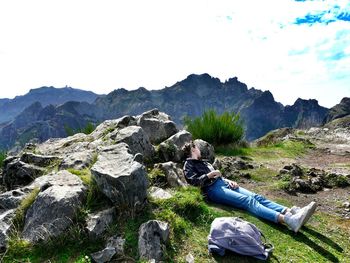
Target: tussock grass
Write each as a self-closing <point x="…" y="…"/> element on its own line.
<point x="216" y="129"/>
<point x="23" y="207"/>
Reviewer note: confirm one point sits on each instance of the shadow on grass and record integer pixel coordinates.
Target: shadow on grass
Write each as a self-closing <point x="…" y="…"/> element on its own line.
<point x="323" y="238"/>
<point x="299" y="237"/>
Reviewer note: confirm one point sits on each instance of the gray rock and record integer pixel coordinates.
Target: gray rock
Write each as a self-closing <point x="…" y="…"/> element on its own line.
<point x="173" y="173"/>
<point x="171" y="149"/>
<point x="54" y="208"/>
<point x="189" y="258"/>
<point x="346" y="204"/>
<point x="115" y="246"/>
<point x="153" y="235"/>
<point x="104" y="255"/>
<point x="39" y="160"/>
<point x="12" y="199"/>
<point x="157" y="125"/>
<point x="99" y="222"/>
<point x="110" y="125"/>
<point x="159" y="193"/>
<point x="136" y="138"/>
<point x="78" y="160"/>
<point x="17" y="173"/>
<point x="122" y="179"/>
<point x="116" y="242"/>
<point x="6" y="225"/>
<point x="207" y="150"/>
<point x="57" y="146"/>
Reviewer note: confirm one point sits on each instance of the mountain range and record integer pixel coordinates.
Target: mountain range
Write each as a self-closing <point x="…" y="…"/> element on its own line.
<point x="47" y="111"/>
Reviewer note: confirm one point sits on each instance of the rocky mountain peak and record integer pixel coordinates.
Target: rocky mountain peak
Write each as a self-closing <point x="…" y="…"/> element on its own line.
<point x="338" y="111"/>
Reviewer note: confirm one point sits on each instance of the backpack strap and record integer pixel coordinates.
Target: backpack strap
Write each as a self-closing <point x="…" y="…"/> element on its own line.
<point x="267" y="246"/>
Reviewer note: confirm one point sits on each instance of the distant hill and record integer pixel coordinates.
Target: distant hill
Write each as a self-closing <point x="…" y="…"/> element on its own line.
<point x="338" y="111"/>
<point x="189" y="97"/>
<point x="10" y="108"/>
<point x="43" y="123"/>
<point x="197" y="93"/>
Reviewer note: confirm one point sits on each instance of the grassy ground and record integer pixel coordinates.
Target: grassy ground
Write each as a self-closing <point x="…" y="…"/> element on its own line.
<point x="325" y="238"/>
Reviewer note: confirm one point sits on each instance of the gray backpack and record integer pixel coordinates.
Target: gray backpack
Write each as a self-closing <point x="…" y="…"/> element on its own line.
<point x="239" y="236"/>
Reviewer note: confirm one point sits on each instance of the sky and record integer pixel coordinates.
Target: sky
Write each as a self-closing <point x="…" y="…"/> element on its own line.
<point x="294" y="48"/>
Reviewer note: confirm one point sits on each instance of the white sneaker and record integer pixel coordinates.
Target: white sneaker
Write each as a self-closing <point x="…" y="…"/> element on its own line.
<point x="294" y="209"/>
<point x="311" y="209"/>
<point x="294" y="222"/>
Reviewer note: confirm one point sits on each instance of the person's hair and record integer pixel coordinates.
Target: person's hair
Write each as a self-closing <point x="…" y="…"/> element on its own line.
<point x="187" y="149"/>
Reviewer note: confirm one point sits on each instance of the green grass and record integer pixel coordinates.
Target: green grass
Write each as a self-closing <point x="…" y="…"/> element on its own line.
<point x="286" y="149"/>
<point x="262" y="174"/>
<point x="84" y="175"/>
<point x="23" y="207"/>
<point x="324" y="239"/>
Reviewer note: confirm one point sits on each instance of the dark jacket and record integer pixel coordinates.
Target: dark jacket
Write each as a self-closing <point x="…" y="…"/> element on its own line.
<point x="196" y="173"/>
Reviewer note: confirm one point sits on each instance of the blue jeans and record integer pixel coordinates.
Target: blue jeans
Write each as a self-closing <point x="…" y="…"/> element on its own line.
<point x="221" y="192"/>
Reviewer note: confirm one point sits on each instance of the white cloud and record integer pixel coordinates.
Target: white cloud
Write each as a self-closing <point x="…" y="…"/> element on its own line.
<point x="104" y="45"/>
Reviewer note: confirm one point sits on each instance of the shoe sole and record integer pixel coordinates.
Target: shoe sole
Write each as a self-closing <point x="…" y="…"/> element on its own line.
<point x="309" y="213"/>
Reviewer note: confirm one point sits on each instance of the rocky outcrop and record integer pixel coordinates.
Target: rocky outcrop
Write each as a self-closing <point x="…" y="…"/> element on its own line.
<point x="232" y="167"/>
<point x="41" y="177"/>
<point x="120" y="177"/>
<point x="338" y="111"/>
<point x="298" y="179"/>
<point x="153" y="235"/>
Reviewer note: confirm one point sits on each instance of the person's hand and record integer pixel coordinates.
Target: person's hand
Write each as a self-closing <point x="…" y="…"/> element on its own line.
<point x="214" y="174"/>
<point x="232" y="184"/>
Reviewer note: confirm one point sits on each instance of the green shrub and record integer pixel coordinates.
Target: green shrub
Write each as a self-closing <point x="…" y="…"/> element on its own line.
<point x="2" y="158"/>
<point x="89" y="128"/>
<point x="216" y="129"/>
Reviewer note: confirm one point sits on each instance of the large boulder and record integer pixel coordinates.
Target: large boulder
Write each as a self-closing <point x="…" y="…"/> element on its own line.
<point x="173" y="173"/>
<point x="171" y="149"/>
<point x="54" y="208"/>
<point x="153" y="236"/>
<point x="136" y="138"/>
<point x="157" y="125"/>
<point x="121" y="177"/>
